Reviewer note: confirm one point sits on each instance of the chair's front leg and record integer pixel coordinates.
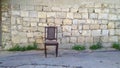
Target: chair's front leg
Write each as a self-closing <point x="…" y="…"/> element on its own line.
<point x="56" y="50"/>
<point x="45" y="51"/>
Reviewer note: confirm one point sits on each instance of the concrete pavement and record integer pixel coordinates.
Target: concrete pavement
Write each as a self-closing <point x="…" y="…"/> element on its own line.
<point x="66" y="59"/>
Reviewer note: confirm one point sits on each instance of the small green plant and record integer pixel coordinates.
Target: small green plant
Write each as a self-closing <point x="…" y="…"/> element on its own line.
<point x="23" y="48"/>
<point x="78" y="47"/>
<point x="116" y="46"/>
<point x="96" y="46"/>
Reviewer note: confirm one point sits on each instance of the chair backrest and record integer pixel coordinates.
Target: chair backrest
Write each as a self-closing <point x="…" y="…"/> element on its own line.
<point x="50" y="33"/>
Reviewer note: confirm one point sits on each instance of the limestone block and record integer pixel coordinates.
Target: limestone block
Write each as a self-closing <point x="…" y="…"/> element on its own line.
<point x="26" y="24"/>
<point x="105" y="32"/>
<point x="94" y="26"/>
<point x="105" y="10"/>
<point x="80" y="27"/>
<point x="97" y="10"/>
<point x="117" y="31"/>
<point x="18" y="21"/>
<point x="96" y="39"/>
<point x="84" y="15"/>
<point x="103" y="26"/>
<point x="112" y="17"/>
<point x="111" y="5"/>
<point x="65" y="40"/>
<point x="38" y="8"/>
<point x="66" y="28"/>
<point x="60" y="35"/>
<point x="42" y="24"/>
<point x="24" y="13"/>
<point x="15" y="40"/>
<point x="67" y="21"/>
<point x="50" y="20"/>
<point x="39" y="40"/>
<point x="75" y="21"/>
<point x="66" y="34"/>
<point x="58" y="21"/>
<point x="77" y="15"/>
<point x="97" y="5"/>
<point x="13" y="20"/>
<point x="103" y="16"/>
<point x="5" y="28"/>
<point x="74" y="27"/>
<point x="90" y="21"/>
<point x="56" y="9"/>
<point x="111" y="32"/>
<point x="33" y="14"/>
<point x="81" y="39"/>
<point x="26" y="7"/>
<point x="74" y="10"/>
<point x="111" y="25"/>
<point x="117" y="25"/>
<point x="88" y="39"/>
<point x="31" y="40"/>
<point x="61" y="15"/>
<point x="73" y="39"/>
<point x="29" y="34"/>
<point x="26" y="19"/>
<point x="75" y="33"/>
<point x="65" y="10"/>
<point x="20" y="27"/>
<point x="42" y="14"/>
<point x="47" y="8"/>
<point x="34" y="19"/>
<point x="86" y="27"/>
<point x="16" y="13"/>
<point x="96" y="33"/>
<point x="105" y="39"/>
<point x="42" y="20"/>
<point x="34" y="24"/>
<point x="38" y="34"/>
<point x="82" y="22"/>
<point x="51" y="15"/>
<point x="105" y="22"/>
<point x="82" y="10"/>
<point x="90" y="5"/>
<point x="113" y="38"/>
<point x="93" y="16"/>
<point x="70" y="15"/>
<point x="86" y="33"/>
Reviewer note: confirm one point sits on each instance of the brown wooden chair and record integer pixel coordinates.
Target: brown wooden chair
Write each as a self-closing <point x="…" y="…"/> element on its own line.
<point x="51" y="38"/>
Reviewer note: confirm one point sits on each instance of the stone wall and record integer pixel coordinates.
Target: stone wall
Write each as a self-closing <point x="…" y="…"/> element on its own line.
<point x="78" y="23"/>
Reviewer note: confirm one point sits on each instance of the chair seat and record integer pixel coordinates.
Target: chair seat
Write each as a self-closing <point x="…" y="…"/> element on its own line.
<point x="51" y="42"/>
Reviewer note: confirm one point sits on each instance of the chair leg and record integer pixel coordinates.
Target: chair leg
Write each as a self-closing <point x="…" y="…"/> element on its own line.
<point x="45" y="51"/>
<point x="56" y="50"/>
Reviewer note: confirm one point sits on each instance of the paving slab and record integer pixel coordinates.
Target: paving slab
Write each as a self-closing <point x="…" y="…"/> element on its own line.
<point x="66" y="59"/>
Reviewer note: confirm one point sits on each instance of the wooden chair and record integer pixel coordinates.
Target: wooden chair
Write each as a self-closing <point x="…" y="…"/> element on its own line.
<point x="51" y="38"/>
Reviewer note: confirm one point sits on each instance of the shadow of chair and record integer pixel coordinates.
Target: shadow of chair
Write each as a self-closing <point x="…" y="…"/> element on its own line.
<point x="51" y="38"/>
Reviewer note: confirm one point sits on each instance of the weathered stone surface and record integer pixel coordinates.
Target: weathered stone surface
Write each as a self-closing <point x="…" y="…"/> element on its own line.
<point x="84" y="15"/>
<point x="75" y="33"/>
<point x="33" y="14"/>
<point x="38" y="8"/>
<point x="85" y="27"/>
<point x="66" y="28"/>
<point x="112" y="17"/>
<point x="96" y="33"/>
<point x="93" y="16"/>
<point x="42" y="14"/>
<point x="74" y="10"/>
<point x="117" y="25"/>
<point x="51" y="20"/>
<point x="81" y="39"/>
<point x="86" y="32"/>
<point x="105" y="32"/>
<point x="112" y="32"/>
<point x="61" y="15"/>
<point x="56" y="9"/>
<point x="77" y="15"/>
<point x="82" y="10"/>
<point x="73" y="39"/>
<point x="58" y="21"/>
<point x="70" y="15"/>
<point x="103" y="16"/>
<point x="24" y="13"/>
<point x="111" y="25"/>
<point x="65" y="40"/>
<point x="46" y="8"/>
<point x="88" y="39"/>
<point x="94" y="26"/>
<point x="117" y="31"/>
<point x="113" y="39"/>
<point x="103" y="26"/>
<point x="74" y="27"/>
<point x="67" y="21"/>
<point x="51" y="14"/>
